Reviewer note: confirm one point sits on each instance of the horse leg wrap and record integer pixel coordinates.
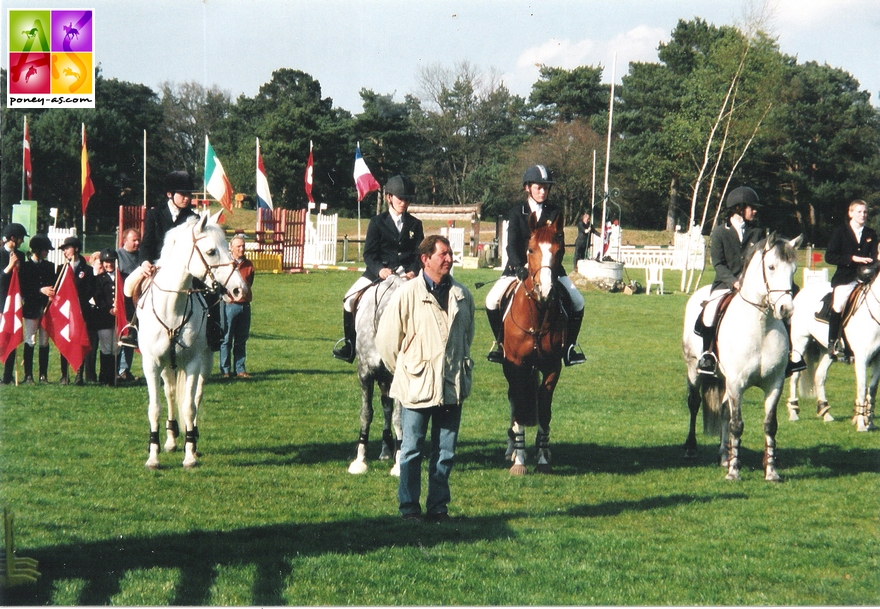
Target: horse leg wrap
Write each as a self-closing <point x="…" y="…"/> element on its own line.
<point x="192" y="437"/>
<point x="388" y="438"/>
<point x="363" y="438"/>
<point x="542" y="440"/>
<point x="154" y="437"/>
<point x="822" y="408"/>
<point x="519" y="440"/>
<point x="172" y="426"/>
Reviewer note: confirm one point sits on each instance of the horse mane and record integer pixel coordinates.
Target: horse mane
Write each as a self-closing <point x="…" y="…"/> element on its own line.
<point x="546" y="233"/>
<point x="174" y="234"/>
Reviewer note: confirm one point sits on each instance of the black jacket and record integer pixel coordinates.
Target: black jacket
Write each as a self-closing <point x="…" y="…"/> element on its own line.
<point x="728" y="253"/>
<point x="157" y="223"/>
<point x="384" y="247"/>
<point x="518" y="233"/>
<point x="5" y="278"/>
<point x="35" y="276"/>
<point x="843" y="246"/>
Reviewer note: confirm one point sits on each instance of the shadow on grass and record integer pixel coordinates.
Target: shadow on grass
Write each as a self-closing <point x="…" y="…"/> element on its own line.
<point x="104" y="565"/>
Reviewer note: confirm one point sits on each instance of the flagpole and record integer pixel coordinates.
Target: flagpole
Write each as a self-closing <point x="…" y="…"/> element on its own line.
<point x="145" y="168"/>
<point x="83" y="186"/>
<point x="23" y="159"/>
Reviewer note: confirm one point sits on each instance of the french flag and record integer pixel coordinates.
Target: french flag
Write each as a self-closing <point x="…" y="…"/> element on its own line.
<point x="264" y="197"/>
<point x="363" y="179"/>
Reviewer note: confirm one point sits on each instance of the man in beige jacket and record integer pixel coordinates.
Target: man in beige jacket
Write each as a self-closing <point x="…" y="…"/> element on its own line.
<point x="424" y="339"/>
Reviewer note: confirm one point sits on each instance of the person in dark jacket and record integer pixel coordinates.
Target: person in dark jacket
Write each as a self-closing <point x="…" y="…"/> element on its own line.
<point x="10" y="258"/>
<point x="391" y="246"/>
<point x="37" y="279"/>
<point x="582" y="243"/>
<point x="851" y="247"/>
<point x="105" y="314"/>
<point x="536" y="184"/>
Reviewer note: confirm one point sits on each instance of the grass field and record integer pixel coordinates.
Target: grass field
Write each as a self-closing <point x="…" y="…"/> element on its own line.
<point x="271" y="517"/>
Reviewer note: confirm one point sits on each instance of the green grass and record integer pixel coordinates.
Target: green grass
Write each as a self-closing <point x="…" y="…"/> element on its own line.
<point x="271" y="517"/>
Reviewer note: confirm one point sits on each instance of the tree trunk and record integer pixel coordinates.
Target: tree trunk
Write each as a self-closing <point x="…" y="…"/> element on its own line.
<point x="672" y="210"/>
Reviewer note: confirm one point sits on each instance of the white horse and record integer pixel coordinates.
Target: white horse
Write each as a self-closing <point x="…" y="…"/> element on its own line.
<point x="172" y="316"/>
<point x="810" y="338"/>
<point x="753" y="349"/>
<point x="371" y="372"/>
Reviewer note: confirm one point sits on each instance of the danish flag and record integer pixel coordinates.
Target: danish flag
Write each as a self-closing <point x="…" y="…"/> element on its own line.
<point x="64" y="322"/>
<point x="11" y="323"/>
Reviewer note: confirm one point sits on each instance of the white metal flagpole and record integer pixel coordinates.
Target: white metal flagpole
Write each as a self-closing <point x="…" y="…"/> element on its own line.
<point x="608" y="152"/>
<point x="145" y="168"/>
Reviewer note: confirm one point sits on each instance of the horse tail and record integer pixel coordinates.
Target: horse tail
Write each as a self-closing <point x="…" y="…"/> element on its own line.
<point x="713" y="394"/>
<point x="807" y="378"/>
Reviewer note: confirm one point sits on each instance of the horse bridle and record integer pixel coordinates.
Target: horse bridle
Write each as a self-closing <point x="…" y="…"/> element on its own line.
<point x="209" y="279"/>
<point x="769" y="303"/>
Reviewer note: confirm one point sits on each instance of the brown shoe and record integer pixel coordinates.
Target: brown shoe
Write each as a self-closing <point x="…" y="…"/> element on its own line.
<point x="243" y="375"/>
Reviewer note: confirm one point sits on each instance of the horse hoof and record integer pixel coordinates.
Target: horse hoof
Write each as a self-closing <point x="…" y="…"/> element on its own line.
<point x="827" y="417"/>
<point x="773" y="476"/>
<point x="152" y="465"/>
<point x="357" y="467"/>
<point x="793" y="416"/>
<point x="170" y="447"/>
<point x="732" y="476"/>
<point x="518" y="470"/>
<point x="189" y="466"/>
<point x="690" y="454"/>
<point x="543" y="468"/>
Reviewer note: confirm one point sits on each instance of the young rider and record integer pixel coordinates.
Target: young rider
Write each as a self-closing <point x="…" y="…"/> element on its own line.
<point x="391" y="246"/>
<point x="536" y="184"/>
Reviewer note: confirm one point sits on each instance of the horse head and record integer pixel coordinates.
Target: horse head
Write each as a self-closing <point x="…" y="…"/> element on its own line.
<point x="210" y="260"/>
<point x="545" y="251"/>
<point x="767" y="279"/>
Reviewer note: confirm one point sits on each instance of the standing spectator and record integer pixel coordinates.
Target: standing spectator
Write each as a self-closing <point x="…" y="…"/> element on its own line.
<point x="37" y="279"/>
<point x="584" y="239"/>
<point x="84" y="282"/>
<point x="391" y="246"/>
<point x="424" y="338"/>
<point x="237" y="315"/>
<point x="127" y="261"/>
<point x="105" y="314"/>
<point x="10" y="258"/>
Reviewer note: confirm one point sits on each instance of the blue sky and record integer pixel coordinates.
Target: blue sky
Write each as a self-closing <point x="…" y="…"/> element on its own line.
<point x="383" y="44"/>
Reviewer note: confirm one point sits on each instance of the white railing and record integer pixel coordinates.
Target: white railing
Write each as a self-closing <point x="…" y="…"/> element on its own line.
<point x="320" y="246"/>
<point x="635" y="257"/>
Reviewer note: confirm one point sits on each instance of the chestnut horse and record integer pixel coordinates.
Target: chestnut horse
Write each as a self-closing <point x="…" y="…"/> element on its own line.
<point x="534" y="337"/>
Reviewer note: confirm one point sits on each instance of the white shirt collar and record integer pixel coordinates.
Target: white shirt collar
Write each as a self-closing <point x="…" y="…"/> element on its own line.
<point x="174" y="209"/>
<point x="536" y="207"/>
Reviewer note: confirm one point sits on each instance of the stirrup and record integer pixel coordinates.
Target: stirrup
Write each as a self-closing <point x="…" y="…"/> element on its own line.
<point x="129" y="338"/>
<point x="496" y="354"/>
<point x="345" y="352"/>
<point x="708" y="364"/>
<point x="573" y="357"/>
<point x="792" y="367"/>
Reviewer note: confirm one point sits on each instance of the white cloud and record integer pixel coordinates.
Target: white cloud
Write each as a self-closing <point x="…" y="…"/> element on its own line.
<point x="637" y="44"/>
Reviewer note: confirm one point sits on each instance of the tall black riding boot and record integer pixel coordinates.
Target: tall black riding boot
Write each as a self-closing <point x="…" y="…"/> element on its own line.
<point x="792" y="366"/>
<point x="346" y="350"/>
<point x="43" y="358"/>
<point x="9" y="369"/>
<point x="708" y="362"/>
<point x="496" y="323"/>
<point x="28" y="363"/>
<point x="834" y="348"/>
<point x="571" y="357"/>
<point x="108" y="369"/>
<point x="64" y="380"/>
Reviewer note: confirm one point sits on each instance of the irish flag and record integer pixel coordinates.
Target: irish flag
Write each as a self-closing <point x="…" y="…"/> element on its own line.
<point x="216" y="182"/>
<point x="363" y="179"/>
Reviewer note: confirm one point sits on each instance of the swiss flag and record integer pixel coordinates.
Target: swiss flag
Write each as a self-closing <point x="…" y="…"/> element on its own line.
<point x="64" y="322"/>
<point x="11" y="334"/>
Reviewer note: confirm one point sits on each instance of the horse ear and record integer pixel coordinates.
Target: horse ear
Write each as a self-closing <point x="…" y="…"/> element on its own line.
<point x="202" y="221"/>
<point x="796" y="242"/>
<point x="533" y="222"/>
<point x="215" y="219"/>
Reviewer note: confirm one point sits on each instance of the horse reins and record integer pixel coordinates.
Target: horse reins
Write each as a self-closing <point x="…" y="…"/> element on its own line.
<point x="767" y="307"/>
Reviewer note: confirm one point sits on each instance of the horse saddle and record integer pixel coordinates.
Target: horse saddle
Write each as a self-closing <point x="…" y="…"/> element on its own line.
<point x="507" y="297"/>
<point x="824" y="312"/>
<point x="723" y="303"/>
<point x="140" y="287"/>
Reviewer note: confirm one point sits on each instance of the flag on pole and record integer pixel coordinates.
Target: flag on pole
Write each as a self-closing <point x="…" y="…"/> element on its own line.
<point x="119" y="303"/>
<point x="216" y="182"/>
<point x="363" y="179"/>
<point x="64" y="323"/>
<point x="26" y="163"/>
<point x="264" y="197"/>
<point x="88" y="189"/>
<point x="11" y="323"/>
<point x="310" y="169"/>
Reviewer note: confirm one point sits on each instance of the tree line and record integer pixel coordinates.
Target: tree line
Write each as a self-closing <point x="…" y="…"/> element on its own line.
<point x="720" y="108"/>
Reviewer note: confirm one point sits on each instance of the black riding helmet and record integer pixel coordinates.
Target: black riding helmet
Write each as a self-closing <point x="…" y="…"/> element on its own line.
<point x="742" y="197"/>
<point x="40" y="243"/>
<point x="537" y="174"/>
<point x="109" y="255"/>
<point x="401" y="187"/>
<point x="14" y="230"/>
<point x="179" y="181"/>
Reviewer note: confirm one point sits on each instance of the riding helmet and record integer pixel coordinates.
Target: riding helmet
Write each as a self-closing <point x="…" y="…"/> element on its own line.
<point x="109" y="255"/>
<point x="401" y="187"/>
<point x="179" y="181"/>
<point x="40" y="243"/>
<point x="71" y="242"/>
<point x="742" y="196"/>
<point x="14" y="230"/>
<point x="537" y="174"/>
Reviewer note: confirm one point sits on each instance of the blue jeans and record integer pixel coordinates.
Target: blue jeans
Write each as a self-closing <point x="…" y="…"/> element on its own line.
<point x="237" y="325"/>
<point x="445" y="421"/>
<point x="126" y="356"/>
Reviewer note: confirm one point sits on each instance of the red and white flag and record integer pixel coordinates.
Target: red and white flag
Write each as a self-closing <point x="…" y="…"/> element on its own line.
<point x="11" y="323"/>
<point x="264" y="197"/>
<point x="64" y="323"/>
<point x="363" y="179"/>
<point x="88" y="189"/>
<point x="119" y="303"/>
<point x="310" y="171"/>
<point x="26" y="163"/>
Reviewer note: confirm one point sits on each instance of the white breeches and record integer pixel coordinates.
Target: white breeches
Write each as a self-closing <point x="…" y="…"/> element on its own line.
<point x="841" y="294"/>
<point x="360" y="284"/>
<point x="132" y="280"/>
<point x="31" y="327"/>
<point x="712" y="306"/>
<point x="106" y="341"/>
<point x="493" y="298"/>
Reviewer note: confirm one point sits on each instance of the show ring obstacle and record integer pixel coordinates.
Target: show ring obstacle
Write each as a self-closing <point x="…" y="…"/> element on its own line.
<point x="14" y="570"/>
